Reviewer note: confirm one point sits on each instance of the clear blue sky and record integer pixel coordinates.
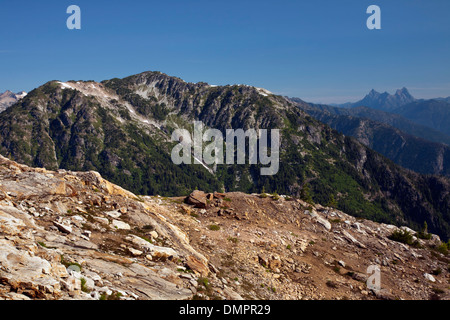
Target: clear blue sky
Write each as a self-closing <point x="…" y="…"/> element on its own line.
<point x="319" y="50"/>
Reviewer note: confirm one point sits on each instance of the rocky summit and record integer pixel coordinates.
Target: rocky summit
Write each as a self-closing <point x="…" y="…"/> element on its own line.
<point x="74" y="235"/>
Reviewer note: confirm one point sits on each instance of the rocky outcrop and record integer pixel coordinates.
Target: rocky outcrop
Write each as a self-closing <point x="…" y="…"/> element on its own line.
<point x="282" y="248"/>
<point x="197" y="198"/>
<point x="72" y="235"/>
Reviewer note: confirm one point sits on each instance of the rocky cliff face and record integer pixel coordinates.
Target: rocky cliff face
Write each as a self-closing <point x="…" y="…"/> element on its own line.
<point x="74" y="235"/>
<point x="122" y="128"/>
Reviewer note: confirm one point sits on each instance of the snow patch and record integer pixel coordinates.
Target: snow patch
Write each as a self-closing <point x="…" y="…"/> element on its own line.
<point x="65" y="85"/>
<point x="263" y="92"/>
<point x="21" y="95"/>
<point x="201" y="162"/>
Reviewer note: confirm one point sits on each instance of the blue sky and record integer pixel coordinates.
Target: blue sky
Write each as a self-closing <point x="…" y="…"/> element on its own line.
<point x="320" y="51"/>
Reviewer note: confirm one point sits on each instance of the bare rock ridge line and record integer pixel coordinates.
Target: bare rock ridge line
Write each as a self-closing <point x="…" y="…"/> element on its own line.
<point x="75" y="235"/>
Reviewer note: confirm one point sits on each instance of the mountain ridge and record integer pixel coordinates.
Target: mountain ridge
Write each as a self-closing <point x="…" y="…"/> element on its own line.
<point x="122" y="128"/>
<point x="382" y="101"/>
<point x="392" y="119"/>
<point x="406" y="148"/>
<point x="432" y="113"/>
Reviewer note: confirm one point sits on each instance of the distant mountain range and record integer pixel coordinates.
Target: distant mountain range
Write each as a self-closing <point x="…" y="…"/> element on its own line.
<point x="392" y="119"/>
<point x="414" y="133"/>
<point x="8" y="98"/>
<point x="382" y="101"/>
<point x="405" y="148"/>
<point x="402" y="110"/>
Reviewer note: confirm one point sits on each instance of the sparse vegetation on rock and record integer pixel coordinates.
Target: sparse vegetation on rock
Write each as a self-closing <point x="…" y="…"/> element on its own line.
<point x="265" y="249"/>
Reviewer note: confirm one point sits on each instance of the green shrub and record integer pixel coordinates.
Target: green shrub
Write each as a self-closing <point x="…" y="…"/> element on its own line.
<point x="233" y="239"/>
<point x="204" y="282"/>
<point x="337" y="220"/>
<point x="331" y="284"/>
<point x="113" y="296"/>
<point x="305" y="194"/>
<point x="84" y="288"/>
<point x="42" y="244"/>
<point x="438" y="290"/>
<point x="350" y="274"/>
<point x="206" y="288"/>
<point x="146" y="239"/>
<point x="436" y="272"/>
<point x="337" y="269"/>
<point x="405" y="237"/>
<point x="68" y="264"/>
<point x="332" y="202"/>
<point x="442" y="248"/>
<point x="423" y="234"/>
<point x="214" y="227"/>
<point x="401" y="236"/>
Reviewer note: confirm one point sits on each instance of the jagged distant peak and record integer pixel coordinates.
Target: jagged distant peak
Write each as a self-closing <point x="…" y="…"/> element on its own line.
<point x="8" y="98"/>
<point x="385" y="101"/>
<point x="12" y="94"/>
<point x="7" y="93"/>
<point x="403" y="92"/>
<point x="404" y="89"/>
